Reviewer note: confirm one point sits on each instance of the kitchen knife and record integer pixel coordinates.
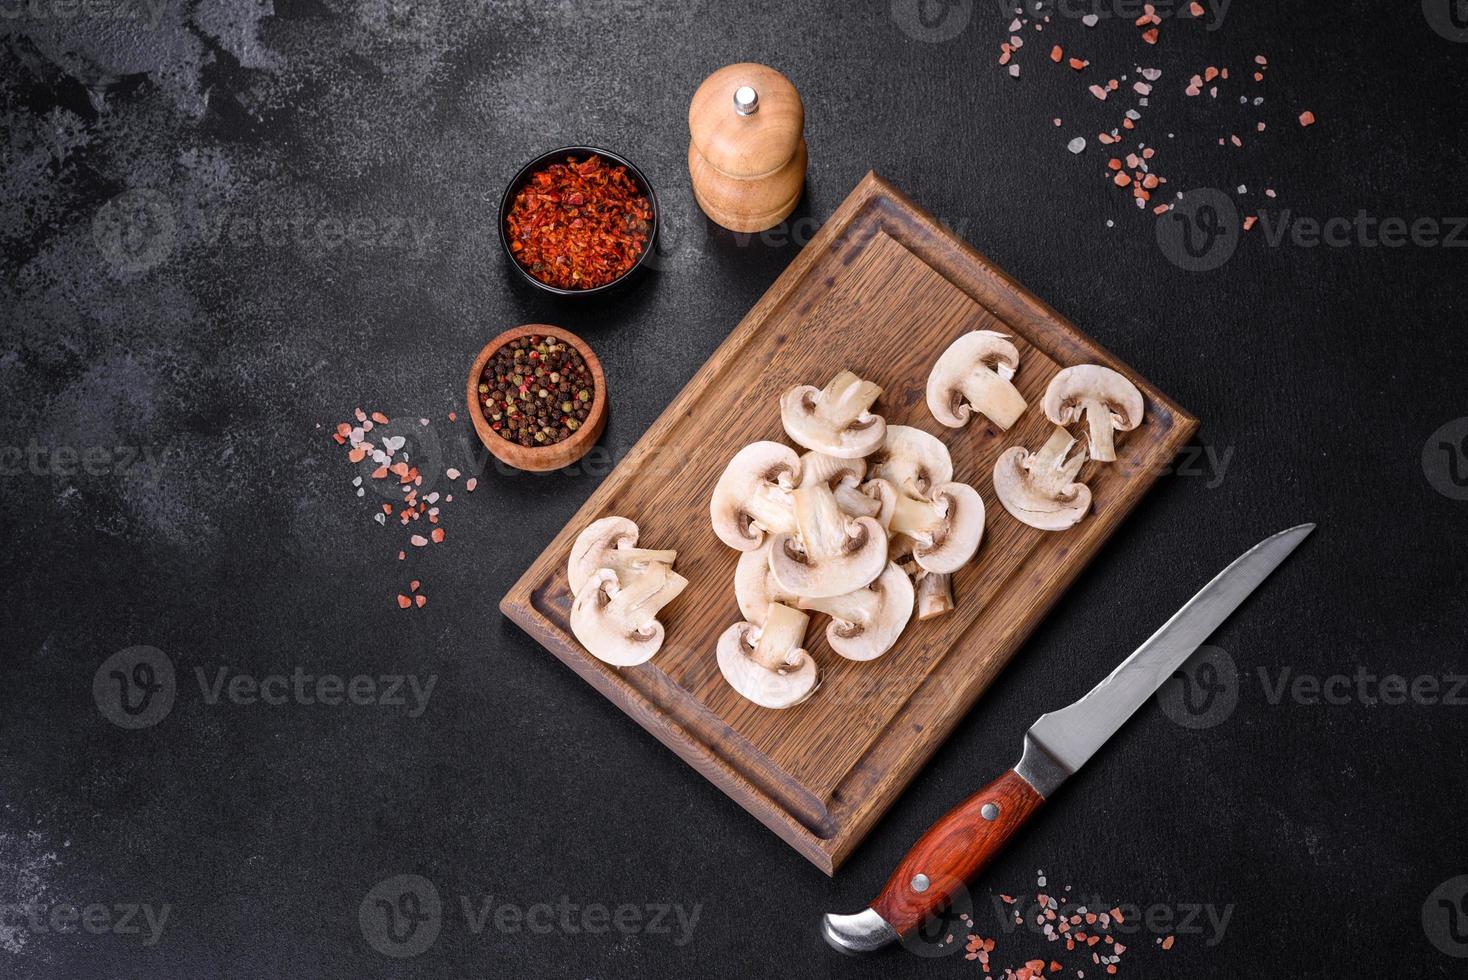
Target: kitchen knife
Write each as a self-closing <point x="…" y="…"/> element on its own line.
<point x="956" y="848"/>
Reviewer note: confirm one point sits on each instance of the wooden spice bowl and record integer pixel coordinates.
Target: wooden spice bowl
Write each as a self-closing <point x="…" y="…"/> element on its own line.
<point x="539" y="459"/>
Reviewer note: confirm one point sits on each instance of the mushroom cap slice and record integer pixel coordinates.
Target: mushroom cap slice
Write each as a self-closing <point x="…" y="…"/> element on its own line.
<point x="618" y="623"/>
<point x="974" y="375"/>
<point x="946" y="528"/>
<point x="1040" y="488"/>
<point x="609" y="543"/>
<point x="912" y="460"/>
<point x="754" y="585"/>
<point x="768" y="665"/>
<point x="832" y="554"/>
<point x="1109" y="401"/>
<point x="866" y="623"/>
<point x="835" y="419"/>
<point x="752" y="496"/>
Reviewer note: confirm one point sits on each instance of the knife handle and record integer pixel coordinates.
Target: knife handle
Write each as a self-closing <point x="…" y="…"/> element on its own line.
<point x="954" y="850"/>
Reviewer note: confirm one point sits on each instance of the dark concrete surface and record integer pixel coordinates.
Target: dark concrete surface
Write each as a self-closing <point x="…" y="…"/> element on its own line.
<point x="227" y="225"/>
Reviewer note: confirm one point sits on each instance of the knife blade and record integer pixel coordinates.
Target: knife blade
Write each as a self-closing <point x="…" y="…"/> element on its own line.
<point x="962" y="843"/>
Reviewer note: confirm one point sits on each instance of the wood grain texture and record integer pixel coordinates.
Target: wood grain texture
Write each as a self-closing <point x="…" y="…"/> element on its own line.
<point x="954" y="850"/>
<point x="882" y="290"/>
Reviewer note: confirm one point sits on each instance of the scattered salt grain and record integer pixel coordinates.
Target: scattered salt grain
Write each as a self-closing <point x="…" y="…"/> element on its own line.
<point x="1090" y="20"/>
<point x="1076" y="145"/>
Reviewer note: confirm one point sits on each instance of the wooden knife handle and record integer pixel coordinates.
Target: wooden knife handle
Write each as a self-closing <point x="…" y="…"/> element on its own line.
<point x="954" y="850"/>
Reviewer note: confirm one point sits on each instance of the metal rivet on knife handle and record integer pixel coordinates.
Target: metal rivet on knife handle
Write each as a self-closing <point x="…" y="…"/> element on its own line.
<point x="920" y="883"/>
<point x="989" y="812"/>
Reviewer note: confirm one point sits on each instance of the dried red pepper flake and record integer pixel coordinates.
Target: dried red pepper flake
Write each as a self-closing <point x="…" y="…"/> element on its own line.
<point x="579" y="224"/>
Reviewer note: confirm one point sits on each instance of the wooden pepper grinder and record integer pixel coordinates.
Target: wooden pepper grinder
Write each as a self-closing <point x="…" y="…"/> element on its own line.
<point x="747" y="156"/>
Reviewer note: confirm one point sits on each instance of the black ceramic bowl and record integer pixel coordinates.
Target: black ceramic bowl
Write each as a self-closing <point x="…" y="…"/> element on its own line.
<point x="559" y="156"/>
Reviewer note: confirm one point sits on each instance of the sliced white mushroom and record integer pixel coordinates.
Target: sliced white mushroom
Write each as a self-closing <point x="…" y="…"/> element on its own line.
<point x="843" y="476"/>
<point x="973" y="375"/>
<point x="610" y="543"/>
<point x="755" y="586"/>
<point x="934" y="593"/>
<point x="832" y="553"/>
<point x="912" y="460"/>
<point x="769" y="665"/>
<point x="752" y="497"/>
<point x="885" y="494"/>
<point x="1040" y="488"/>
<point x="946" y="528"/>
<point x="618" y="623"/>
<point x="866" y="623"/>
<point x="835" y="420"/>
<point x="1109" y="401"/>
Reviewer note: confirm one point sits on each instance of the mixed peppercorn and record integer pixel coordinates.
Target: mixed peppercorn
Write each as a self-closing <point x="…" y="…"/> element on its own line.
<point x="536" y="390"/>
<point x="579" y="225"/>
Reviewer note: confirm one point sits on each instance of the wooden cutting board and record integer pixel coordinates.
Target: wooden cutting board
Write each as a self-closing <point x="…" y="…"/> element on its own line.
<point x="882" y="290"/>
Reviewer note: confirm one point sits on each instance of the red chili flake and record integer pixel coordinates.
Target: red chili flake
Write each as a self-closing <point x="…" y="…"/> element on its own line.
<point x="579" y="224"/>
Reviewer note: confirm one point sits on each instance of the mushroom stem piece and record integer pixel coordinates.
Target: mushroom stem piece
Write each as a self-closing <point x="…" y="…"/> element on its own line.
<point x="609" y="543"/>
<point x="973" y="375"/>
<point x="768" y="665"/>
<point x="834" y="420"/>
<point x="1110" y="402"/>
<point x="752" y="496"/>
<point x="865" y="623"/>
<point x="833" y="554"/>
<point x="934" y="594"/>
<point x="1040" y="488"/>
<point x="618" y="623"/>
<point x="946" y="528"/>
<point x="843" y="476"/>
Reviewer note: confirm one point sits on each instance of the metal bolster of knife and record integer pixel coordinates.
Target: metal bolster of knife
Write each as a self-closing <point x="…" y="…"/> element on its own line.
<point x="1038" y="767"/>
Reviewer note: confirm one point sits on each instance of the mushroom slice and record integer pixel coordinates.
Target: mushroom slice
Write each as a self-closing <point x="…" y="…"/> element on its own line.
<point x="1040" y="488"/>
<point x="973" y="375"/>
<point x="843" y="476"/>
<point x="934" y="594"/>
<point x="946" y="528"/>
<point x="834" y="420"/>
<point x="865" y="623"/>
<point x="912" y="461"/>
<point x="885" y="494"/>
<point x="618" y="623"/>
<point x="753" y="495"/>
<point x="1109" y="401"/>
<point x="609" y="543"/>
<point x="768" y="665"/>
<point x="833" y="554"/>
<point x="755" y="587"/>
